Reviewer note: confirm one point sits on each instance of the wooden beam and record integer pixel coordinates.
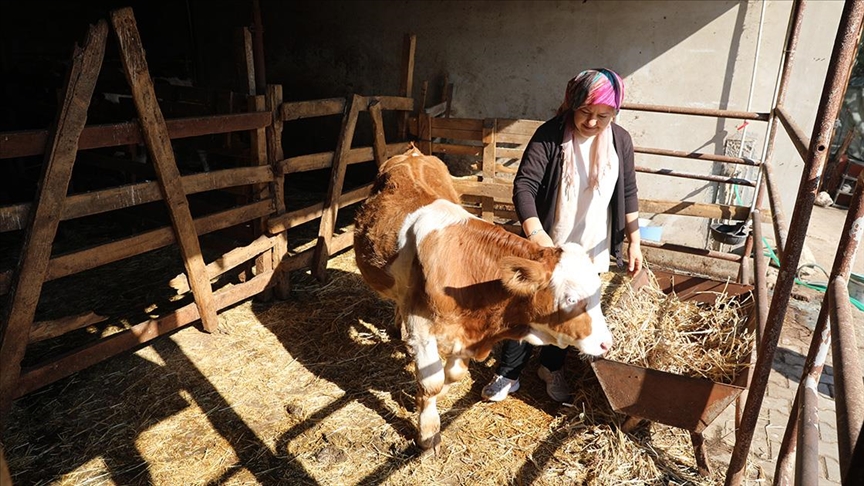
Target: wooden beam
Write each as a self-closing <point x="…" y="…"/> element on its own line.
<point x="258" y="152"/>
<point x="226" y="262"/>
<point x="90" y="203"/>
<point x="158" y="144"/>
<point x="245" y="60"/>
<point x="57" y="170"/>
<point x="299" y="110"/>
<point x="275" y="154"/>
<point x="43" y="330"/>
<point x="406" y="78"/>
<point x="71" y="263"/>
<point x="688" y="208"/>
<point x="33" y="142"/>
<point x="334" y="191"/>
<point x="293" y="219"/>
<point x="379" y="144"/>
<point x="64" y="365"/>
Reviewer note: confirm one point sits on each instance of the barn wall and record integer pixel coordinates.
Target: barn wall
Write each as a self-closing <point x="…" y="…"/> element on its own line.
<point x="512" y="59"/>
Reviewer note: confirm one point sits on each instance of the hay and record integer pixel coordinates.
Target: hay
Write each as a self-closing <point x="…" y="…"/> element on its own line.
<point x="660" y="331"/>
<point x="319" y="390"/>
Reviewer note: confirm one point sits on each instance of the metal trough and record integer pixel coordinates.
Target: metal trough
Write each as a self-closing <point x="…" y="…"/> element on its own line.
<point x="667" y="398"/>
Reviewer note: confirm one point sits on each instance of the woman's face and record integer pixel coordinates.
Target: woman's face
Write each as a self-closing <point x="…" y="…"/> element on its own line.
<point x="590" y="120"/>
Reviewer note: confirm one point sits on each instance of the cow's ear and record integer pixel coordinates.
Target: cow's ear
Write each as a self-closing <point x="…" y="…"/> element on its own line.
<point x="522" y="276"/>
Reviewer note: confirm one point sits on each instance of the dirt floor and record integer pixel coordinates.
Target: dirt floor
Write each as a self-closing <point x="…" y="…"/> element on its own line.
<point x="319" y="390"/>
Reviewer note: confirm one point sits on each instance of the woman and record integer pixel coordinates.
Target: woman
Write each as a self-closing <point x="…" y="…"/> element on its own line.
<point x="576" y="183"/>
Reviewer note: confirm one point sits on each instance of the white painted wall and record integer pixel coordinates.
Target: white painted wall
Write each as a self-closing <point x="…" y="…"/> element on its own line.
<point x="512" y="59"/>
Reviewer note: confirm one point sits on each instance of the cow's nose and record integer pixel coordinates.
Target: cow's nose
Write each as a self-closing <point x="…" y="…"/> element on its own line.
<point x="606" y="346"/>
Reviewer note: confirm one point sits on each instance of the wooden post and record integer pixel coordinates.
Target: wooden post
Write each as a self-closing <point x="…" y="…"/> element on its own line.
<point x="406" y="87"/>
<point x="489" y="136"/>
<point x="258" y="151"/>
<point x="158" y="142"/>
<point x="424" y="132"/>
<point x="274" y="153"/>
<point x="379" y="143"/>
<point x="62" y="147"/>
<point x="337" y="178"/>
<point x="245" y="61"/>
<point x="258" y="48"/>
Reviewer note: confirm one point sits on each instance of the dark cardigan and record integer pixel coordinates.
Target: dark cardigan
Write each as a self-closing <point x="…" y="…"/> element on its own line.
<point x="535" y="188"/>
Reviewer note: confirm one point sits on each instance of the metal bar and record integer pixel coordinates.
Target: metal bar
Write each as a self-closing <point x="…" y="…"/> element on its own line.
<point x="781" y="231"/>
<point x="842" y="267"/>
<point x="701" y="177"/>
<point x="741" y="115"/>
<point x="760" y="266"/>
<point x="697" y="155"/>
<point x="848" y="387"/>
<point x="807" y="460"/>
<point x="796" y="133"/>
<point x="836" y="81"/>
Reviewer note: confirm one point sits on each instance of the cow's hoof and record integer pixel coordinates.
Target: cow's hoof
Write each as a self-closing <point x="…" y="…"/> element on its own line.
<point x="432" y="444"/>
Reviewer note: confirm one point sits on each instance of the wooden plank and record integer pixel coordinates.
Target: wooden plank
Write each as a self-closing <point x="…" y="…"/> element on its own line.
<point x="457" y="149"/>
<point x="32" y="142"/>
<point x="71" y="263"/>
<point x="334" y="190"/>
<point x="43" y="330"/>
<point x="76" y="360"/>
<point x="509" y="153"/>
<point x="424" y="130"/>
<point x="51" y="192"/>
<point x="304" y="215"/>
<point x="465" y="124"/>
<point x="452" y="134"/>
<point x="488" y="166"/>
<point x="343" y="240"/>
<point x="518" y="127"/>
<point x="282" y="288"/>
<point x="96" y="202"/>
<point x="687" y="208"/>
<point x="501" y="193"/>
<point x="397" y="103"/>
<point x="300" y="261"/>
<point x="258" y="153"/>
<point x="379" y="144"/>
<point x="245" y="60"/>
<point x="158" y="144"/>
<point x="406" y="77"/>
<point x="324" y="160"/>
<point x="226" y="262"/>
<point x="298" y="110"/>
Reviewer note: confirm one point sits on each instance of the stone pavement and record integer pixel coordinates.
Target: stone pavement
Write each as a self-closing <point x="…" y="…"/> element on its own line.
<point x="822" y="238"/>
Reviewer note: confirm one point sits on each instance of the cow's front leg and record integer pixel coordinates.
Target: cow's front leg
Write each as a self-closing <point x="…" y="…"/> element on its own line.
<point x="454" y="370"/>
<point x="430" y="381"/>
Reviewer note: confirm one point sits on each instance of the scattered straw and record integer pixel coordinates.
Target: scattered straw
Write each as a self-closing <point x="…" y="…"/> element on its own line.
<point x="660" y="331"/>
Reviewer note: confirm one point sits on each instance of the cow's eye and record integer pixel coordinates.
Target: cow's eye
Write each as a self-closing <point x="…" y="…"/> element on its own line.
<point x="571" y="300"/>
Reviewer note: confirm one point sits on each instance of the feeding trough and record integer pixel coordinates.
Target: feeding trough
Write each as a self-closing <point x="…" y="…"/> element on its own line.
<point x="680" y="401"/>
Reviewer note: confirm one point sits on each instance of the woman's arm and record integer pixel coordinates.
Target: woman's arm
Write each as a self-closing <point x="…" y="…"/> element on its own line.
<point x="634" y="248"/>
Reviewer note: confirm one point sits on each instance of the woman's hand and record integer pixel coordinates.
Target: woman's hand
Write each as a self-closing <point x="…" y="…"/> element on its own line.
<point x="634" y="257"/>
<point x="541" y="238"/>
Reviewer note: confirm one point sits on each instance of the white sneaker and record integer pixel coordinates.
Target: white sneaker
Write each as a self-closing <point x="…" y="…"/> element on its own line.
<point x="556" y="384"/>
<point x="499" y="388"/>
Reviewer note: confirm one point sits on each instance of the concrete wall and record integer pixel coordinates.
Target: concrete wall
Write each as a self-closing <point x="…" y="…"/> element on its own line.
<point x="512" y="59"/>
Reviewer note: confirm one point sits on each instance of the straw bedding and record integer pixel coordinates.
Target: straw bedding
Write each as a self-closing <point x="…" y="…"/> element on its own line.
<point x="319" y="390"/>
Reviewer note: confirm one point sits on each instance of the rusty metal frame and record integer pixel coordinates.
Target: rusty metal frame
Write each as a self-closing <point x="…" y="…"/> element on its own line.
<point x="803" y="420"/>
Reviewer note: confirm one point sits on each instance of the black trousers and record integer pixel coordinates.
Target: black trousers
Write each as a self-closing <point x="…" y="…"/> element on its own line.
<point x="515" y="354"/>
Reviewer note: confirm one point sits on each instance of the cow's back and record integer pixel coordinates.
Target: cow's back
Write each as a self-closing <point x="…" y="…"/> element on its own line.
<point x="404" y="184"/>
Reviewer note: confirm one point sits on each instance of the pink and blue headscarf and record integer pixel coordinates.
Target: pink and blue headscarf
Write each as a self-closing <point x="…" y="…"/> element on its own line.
<point x="593" y="87"/>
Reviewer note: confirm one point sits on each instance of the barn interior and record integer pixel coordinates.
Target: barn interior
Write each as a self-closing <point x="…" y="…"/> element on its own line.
<point x="118" y="266"/>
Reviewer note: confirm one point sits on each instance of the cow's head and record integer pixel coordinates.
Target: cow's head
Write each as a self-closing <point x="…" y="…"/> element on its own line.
<point x="566" y="300"/>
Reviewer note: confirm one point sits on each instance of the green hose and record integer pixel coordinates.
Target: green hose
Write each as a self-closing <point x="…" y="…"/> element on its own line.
<point x="815" y="286"/>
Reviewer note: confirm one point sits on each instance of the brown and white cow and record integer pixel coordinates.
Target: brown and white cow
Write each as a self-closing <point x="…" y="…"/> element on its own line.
<point x="462" y="284"/>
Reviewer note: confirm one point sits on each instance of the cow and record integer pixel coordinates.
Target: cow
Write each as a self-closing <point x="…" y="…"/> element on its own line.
<point x="461" y="284"/>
